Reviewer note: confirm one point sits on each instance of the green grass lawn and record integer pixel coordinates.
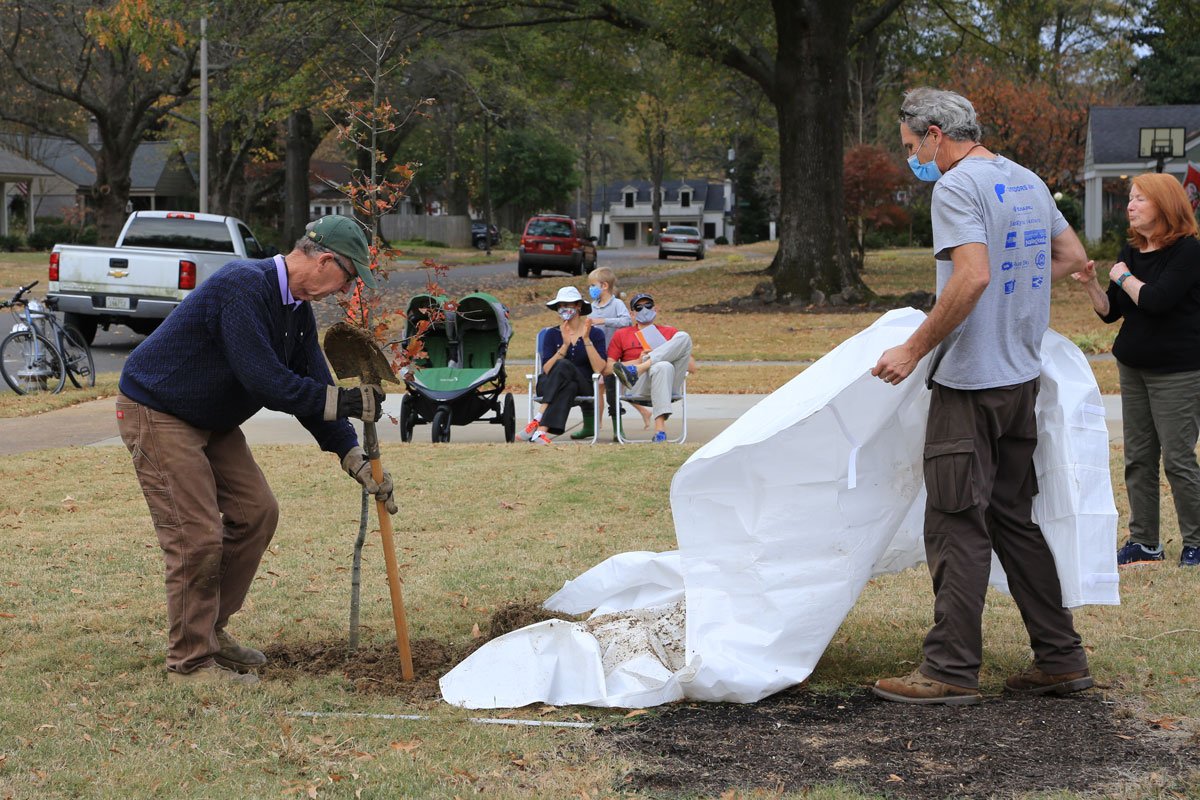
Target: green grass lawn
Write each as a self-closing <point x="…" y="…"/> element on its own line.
<point x="87" y="712"/>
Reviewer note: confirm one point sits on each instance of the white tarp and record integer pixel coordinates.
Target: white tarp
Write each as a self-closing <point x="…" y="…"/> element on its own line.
<point x="781" y="520"/>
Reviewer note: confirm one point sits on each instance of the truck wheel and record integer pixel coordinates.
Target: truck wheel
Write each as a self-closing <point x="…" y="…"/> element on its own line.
<point x="522" y="269"/>
<point x="145" y="327"/>
<point x="84" y="324"/>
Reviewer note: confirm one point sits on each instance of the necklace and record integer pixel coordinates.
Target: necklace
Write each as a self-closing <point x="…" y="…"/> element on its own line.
<point x="964" y="155"/>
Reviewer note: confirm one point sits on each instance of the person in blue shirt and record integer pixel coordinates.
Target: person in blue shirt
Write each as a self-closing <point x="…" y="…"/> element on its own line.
<point x="244" y="340"/>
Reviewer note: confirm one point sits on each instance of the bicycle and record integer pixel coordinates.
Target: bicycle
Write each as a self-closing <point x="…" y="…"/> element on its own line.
<point x="31" y="361"/>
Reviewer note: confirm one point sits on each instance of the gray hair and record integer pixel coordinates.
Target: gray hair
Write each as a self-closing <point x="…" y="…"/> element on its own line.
<point x="951" y="112"/>
<point x="310" y="248"/>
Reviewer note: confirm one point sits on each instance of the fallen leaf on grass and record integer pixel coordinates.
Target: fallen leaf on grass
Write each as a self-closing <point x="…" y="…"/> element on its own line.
<point x="1166" y="723"/>
<point x="69" y="505"/>
<point x="894" y="778"/>
<point x="8" y="616"/>
<point x="510" y="506"/>
<point x="637" y="712"/>
<point x="406" y="747"/>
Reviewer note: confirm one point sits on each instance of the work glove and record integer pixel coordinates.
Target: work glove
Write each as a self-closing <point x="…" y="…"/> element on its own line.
<point x="357" y="466"/>
<point x="364" y="402"/>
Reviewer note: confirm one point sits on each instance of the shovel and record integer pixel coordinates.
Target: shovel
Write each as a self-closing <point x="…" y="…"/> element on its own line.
<point x="353" y="354"/>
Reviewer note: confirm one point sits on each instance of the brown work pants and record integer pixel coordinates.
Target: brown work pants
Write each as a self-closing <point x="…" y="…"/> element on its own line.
<point x="214" y="515"/>
<point x="980" y="480"/>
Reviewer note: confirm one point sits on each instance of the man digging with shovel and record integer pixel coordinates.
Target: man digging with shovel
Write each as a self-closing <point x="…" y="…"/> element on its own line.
<point x="244" y="340"/>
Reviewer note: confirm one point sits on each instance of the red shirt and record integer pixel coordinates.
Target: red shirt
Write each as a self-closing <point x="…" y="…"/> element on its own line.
<point x="625" y="345"/>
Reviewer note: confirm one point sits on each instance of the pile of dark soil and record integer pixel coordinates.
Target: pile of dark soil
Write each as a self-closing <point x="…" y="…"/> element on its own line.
<point x="796" y="739"/>
<point x="376" y="668"/>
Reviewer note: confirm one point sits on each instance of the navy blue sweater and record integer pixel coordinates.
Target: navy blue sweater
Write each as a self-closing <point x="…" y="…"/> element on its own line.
<point x="231" y="348"/>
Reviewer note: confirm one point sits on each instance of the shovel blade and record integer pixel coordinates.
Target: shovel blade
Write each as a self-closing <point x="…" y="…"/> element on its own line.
<point x="354" y="354"/>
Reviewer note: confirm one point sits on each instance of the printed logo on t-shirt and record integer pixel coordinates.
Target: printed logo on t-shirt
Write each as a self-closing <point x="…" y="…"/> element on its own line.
<point x="1035" y="237"/>
<point x="1000" y="192"/>
<point x="1040" y="259"/>
<point x="1037" y="281"/>
<point x="1006" y="266"/>
<point x="1010" y="240"/>
<point x="1010" y="287"/>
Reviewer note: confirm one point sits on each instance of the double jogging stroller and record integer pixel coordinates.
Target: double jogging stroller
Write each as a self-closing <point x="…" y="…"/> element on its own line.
<point x="461" y="377"/>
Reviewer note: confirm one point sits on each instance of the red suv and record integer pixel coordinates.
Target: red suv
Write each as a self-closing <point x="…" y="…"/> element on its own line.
<point x="555" y="241"/>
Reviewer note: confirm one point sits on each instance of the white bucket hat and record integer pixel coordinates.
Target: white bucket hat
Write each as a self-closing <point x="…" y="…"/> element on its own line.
<point x="569" y="294"/>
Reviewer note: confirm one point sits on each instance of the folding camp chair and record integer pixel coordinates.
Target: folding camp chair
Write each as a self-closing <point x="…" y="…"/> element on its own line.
<point x="680" y="398"/>
<point x="593" y="398"/>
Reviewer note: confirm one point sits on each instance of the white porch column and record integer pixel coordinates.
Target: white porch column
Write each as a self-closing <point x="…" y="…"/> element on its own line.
<point x="4" y="213"/>
<point x="30" y="205"/>
<point x="1093" y="209"/>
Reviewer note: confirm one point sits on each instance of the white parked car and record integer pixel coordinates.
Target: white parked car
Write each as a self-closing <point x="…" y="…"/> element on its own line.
<point x="681" y="240"/>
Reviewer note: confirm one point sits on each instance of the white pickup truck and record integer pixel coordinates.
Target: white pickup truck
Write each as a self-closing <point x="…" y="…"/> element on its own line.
<point x="159" y="257"/>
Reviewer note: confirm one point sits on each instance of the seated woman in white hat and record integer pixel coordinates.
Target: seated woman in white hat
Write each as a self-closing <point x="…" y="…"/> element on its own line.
<point x="571" y="353"/>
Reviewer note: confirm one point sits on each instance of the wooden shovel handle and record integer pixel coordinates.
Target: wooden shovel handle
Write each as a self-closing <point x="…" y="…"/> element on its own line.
<point x="393" y="576"/>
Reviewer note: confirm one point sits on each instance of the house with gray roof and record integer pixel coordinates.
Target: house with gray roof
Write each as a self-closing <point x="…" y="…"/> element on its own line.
<point x="159" y="176"/>
<point x="19" y="177"/>
<point x="1111" y="157"/>
<point x="622" y="216"/>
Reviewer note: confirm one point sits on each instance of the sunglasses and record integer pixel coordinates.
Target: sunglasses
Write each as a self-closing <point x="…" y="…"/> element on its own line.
<point x="646" y="304"/>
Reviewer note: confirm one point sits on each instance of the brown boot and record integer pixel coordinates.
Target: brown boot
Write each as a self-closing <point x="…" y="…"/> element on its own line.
<point x="234" y="656"/>
<point x="921" y="690"/>
<point x="1034" y="681"/>
<point x="213" y="674"/>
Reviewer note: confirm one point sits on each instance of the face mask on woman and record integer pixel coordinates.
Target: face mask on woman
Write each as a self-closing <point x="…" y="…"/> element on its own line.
<point x="567" y="313"/>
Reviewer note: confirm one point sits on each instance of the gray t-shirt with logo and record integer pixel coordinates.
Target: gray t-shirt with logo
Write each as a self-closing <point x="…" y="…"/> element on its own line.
<point x="1001" y="204"/>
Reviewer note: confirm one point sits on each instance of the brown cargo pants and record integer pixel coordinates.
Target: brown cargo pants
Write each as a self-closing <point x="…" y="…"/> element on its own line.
<point x="214" y="515"/>
<point x="980" y="481"/>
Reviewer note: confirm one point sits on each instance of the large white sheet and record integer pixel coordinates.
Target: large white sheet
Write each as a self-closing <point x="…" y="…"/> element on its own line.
<point x="781" y="520"/>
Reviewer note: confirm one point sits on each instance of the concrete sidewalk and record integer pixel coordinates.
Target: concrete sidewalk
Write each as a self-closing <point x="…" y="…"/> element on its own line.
<point x="94" y="424"/>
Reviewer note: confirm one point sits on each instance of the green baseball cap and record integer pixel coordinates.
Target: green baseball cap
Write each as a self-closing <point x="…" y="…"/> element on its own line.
<point x="345" y="237"/>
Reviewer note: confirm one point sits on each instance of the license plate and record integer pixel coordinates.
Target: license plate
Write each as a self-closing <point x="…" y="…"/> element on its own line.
<point x="120" y="303"/>
<point x="547" y="246"/>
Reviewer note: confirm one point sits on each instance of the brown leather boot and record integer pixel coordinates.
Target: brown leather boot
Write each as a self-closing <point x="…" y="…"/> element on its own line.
<point x="1034" y="681"/>
<point x="919" y="689"/>
<point x="234" y="656"/>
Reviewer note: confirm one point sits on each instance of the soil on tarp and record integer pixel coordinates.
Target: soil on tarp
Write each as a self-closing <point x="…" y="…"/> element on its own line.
<point x="796" y="739"/>
<point x="375" y="668"/>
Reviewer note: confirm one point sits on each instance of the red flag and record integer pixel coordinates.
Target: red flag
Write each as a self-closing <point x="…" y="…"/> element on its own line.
<point x="1191" y="185"/>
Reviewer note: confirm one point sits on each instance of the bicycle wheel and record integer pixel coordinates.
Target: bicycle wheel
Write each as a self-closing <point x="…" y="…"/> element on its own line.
<point x="30" y="364"/>
<point x="81" y="368"/>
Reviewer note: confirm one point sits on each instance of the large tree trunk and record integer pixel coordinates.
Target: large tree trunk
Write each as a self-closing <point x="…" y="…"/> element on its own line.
<point x="810" y="102"/>
<point x="300" y="146"/>
<point x="110" y="192"/>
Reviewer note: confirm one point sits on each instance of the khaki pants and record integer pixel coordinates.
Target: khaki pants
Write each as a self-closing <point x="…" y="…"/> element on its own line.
<point x="214" y="515"/>
<point x="1161" y="418"/>
<point x="980" y="480"/>
<point x="668" y="371"/>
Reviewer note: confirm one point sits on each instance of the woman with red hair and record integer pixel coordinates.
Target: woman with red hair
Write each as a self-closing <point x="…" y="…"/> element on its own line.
<point x="1155" y="288"/>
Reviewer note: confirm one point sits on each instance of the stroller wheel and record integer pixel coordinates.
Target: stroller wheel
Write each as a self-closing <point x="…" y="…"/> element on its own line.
<point x="441" y="425"/>
<point x="408" y="418"/>
<point x="508" y="417"/>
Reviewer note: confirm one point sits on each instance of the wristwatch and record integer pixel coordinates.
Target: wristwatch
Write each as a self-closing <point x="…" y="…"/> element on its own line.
<point x="1121" y="280"/>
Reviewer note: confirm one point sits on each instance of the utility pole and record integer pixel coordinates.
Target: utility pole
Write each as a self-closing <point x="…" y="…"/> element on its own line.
<point x="204" y="115"/>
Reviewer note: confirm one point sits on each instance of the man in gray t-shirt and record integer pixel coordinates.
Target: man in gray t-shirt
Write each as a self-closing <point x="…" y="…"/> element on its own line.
<point x="999" y="241"/>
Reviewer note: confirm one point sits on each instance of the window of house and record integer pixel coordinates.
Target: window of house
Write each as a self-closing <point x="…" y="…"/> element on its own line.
<point x="685" y="199"/>
<point x="710" y="230"/>
<point x="630" y="231"/>
<point x="629" y="199"/>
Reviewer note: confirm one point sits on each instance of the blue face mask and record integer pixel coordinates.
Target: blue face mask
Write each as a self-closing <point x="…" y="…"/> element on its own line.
<point x="929" y="171"/>
<point x="645" y="315"/>
<point x="594" y="292"/>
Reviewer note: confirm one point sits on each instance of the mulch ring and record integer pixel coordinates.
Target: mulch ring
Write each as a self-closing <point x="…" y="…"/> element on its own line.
<point x="1003" y="747"/>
